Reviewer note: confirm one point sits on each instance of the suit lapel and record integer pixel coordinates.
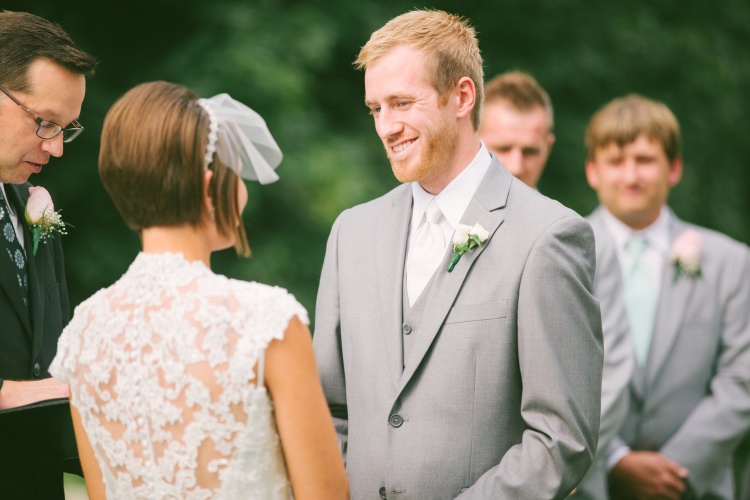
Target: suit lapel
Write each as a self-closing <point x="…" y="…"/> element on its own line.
<point x="673" y="301"/>
<point x="391" y="255"/>
<point x="491" y="195"/>
<point x="8" y="278"/>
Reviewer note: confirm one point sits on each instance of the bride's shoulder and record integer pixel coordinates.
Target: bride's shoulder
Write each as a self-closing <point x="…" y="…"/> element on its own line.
<point x="259" y="299"/>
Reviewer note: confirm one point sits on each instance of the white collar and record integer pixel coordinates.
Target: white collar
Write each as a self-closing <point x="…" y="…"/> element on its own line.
<point x="456" y="196"/>
<point x="5" y="195"/>
<point x="657" y="234"/>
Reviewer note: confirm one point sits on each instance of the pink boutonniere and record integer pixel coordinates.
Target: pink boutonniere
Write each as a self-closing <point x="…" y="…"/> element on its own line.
<point x="686" y="254"/>
<point x="41" y="216"/>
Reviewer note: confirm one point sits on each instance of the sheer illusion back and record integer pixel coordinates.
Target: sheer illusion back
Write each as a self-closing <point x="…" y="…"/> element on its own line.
<point x="162" y="368"/>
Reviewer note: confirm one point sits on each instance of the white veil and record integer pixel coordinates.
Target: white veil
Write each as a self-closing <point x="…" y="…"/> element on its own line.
<point x="241" y="140"/>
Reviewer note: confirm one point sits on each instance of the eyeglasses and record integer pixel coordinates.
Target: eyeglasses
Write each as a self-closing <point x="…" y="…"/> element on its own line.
<point x="47" y="129"/>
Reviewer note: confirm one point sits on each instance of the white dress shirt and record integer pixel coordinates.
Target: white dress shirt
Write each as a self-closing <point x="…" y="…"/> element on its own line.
<point x="655" y="255"/>
<point x="453" y="200"/>
<point x="656" y="251"/>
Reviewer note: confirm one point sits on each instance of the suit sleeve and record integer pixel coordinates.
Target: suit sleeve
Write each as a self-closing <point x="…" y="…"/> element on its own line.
<point x="560" y="361"/>
<point x="720" y="419"/>
<point x="618" y="356"/>
<point x="327" y="339"/>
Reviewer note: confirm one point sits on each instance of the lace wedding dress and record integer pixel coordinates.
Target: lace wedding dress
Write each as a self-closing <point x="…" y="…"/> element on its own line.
<point x="161" y="369"/>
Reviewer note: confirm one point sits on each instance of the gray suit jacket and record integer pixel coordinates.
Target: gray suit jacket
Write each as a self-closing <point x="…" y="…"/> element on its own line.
<point x="691" y="401"/>
<point x="500" y="397"/>
<point x="619" y="362"/>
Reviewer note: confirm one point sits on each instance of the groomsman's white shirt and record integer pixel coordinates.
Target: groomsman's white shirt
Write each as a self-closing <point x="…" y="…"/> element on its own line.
<point x="654" y="256"/>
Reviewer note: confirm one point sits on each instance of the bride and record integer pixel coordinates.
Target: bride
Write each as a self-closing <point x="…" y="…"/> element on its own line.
<point x="183" y="383"/>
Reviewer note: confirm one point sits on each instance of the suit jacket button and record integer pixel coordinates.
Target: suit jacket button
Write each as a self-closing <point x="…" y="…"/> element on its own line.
<point x="396" y="420"/>
<point x="382" y="493"/>
<point x="37" y="369"/>
<point x="406" y="329"/>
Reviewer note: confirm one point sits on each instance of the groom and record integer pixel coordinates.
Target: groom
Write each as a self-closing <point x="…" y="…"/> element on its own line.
<point x="42" y="80"/>
<point x="482" y="381"/>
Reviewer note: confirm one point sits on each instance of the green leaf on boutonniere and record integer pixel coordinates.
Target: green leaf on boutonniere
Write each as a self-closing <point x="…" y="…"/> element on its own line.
<point x="36" y="235"/>
<point x="465" y="239"/>
<point x="454" y="261"/>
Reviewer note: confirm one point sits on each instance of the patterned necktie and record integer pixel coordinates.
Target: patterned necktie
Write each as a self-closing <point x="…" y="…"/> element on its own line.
<point x="426" y="252"/>
<point x="10" y="246"/>
<point x="640" y="299"/>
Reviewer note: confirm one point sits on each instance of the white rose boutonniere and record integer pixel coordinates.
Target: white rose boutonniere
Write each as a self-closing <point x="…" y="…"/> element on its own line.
<point x="465" y="239"/>
<point x="686" y="254"/>
<point x="41" y="216"/>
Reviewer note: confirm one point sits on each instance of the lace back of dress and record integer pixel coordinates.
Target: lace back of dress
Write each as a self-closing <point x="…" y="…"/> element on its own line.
<point x="170" y="398"/>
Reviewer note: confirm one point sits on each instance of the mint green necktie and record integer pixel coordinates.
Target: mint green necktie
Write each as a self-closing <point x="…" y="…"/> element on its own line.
<point x="640" y="298"/>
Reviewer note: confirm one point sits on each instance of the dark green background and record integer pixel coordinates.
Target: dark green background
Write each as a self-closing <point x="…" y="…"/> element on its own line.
<point x="291" y="61"/>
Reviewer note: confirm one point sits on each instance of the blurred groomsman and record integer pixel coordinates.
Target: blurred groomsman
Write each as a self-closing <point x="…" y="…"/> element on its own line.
<point x="686" y="293"/>
<point x="517" y="123"/>
<point x="516" y="126"/>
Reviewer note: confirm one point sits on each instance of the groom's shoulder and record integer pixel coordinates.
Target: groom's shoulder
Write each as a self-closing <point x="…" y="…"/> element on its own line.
<point x="375" y="208"/>
<point x="537" y="208"/>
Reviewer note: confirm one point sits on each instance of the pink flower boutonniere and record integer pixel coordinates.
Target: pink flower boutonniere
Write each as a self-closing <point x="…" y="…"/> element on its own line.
<point x="41" y="216"/>
<point x="686" y="254"/>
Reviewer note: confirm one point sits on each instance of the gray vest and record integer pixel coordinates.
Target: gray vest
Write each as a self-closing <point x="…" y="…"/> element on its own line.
<point x="412" y="318"/>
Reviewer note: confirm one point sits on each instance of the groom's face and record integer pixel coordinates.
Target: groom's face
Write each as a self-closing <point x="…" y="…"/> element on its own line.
<point x="418" y="133"/>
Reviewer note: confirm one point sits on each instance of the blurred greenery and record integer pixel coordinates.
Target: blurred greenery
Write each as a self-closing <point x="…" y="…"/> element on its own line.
<point x="292" y="62"/>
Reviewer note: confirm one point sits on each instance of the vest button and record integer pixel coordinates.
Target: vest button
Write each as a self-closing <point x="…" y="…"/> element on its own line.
<point x="396" y="420"/>
<point x="382" y="494"/>
<point x="406" y="329"/>
<point x="37" y="369"/>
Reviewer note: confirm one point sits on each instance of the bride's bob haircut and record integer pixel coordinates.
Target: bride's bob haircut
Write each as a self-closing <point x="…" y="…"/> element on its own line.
<point x="151" y="162"/>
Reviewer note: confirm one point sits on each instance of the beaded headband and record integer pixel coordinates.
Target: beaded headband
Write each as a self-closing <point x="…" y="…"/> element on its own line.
<point x="240" y="139"/>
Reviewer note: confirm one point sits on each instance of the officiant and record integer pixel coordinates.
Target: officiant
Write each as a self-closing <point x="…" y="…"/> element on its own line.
<point x="42" y="86"/>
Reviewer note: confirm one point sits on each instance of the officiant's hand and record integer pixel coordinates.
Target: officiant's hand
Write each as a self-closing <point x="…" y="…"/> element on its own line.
<point x="19" y="393"/>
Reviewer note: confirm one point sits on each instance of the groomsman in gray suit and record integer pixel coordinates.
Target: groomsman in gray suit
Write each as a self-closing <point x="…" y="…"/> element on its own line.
<point x="457" y="335"/>
<point x="516" y="126"/>
<point x="686" y="293"/>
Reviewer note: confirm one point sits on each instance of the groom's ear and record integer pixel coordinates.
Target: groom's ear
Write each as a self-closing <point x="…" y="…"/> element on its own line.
<point x="208" y="201"/>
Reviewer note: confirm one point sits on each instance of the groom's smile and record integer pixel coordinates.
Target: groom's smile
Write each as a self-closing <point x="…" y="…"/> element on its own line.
<point x="414" y="125"/>
<point x="402" y="146"/>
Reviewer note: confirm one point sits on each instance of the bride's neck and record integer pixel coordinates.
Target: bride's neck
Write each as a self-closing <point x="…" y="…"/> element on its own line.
<point x="188" y="240"/>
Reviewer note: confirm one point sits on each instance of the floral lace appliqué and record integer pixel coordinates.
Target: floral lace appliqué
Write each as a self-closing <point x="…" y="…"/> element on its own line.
<point x="161" y="369"/>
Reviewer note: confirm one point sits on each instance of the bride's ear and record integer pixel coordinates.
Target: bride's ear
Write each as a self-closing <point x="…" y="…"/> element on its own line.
<point x="208" y="201"/>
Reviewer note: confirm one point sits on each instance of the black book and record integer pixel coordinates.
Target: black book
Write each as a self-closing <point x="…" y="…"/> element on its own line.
<point x="44" y="428"/>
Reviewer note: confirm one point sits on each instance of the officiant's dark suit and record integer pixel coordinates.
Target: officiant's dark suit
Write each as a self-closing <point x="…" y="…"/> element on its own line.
<point x="27" y="345"/>
<point x="42" y="86"/>
<point x="29" y="339"/>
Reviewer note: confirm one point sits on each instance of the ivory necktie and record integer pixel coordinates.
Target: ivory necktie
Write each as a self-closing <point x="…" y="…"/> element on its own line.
<point x="426" y="252"/>
<point x="10" y="245"/>
<point x="640" y="299"/>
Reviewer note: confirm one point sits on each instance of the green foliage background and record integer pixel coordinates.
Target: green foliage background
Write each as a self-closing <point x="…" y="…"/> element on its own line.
<point x="291" y="61"/>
